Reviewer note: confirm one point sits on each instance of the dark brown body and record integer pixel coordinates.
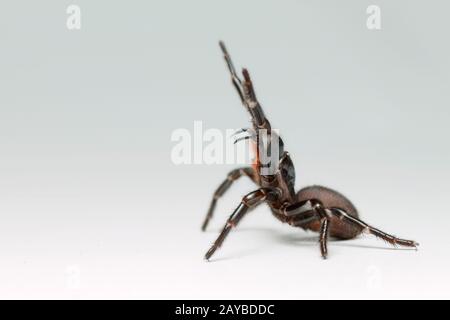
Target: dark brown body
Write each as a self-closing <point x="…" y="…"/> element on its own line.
<point x="328" y="197"/>
<point x="331" y="199"/>
<point x="314" y="208"/>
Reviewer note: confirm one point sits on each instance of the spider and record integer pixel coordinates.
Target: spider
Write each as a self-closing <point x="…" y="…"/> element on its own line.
<point x="316" y="208"/>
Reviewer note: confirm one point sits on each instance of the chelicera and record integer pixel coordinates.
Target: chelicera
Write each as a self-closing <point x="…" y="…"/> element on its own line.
<point x="315" y="208"/>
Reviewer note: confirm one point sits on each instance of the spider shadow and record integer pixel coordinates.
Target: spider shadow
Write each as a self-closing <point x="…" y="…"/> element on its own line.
<point x="269" y="233"/>
<point x="301" y="238"/>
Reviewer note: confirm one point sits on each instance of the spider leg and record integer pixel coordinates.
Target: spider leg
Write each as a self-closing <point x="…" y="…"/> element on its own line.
<point x="324" y="226"/>
<point x="237" y="83"/>
<point x="242" y="130"/>
<point x="248" y="202"/>
<point x="368" y="229"/>
<point x="246" y="92"/>
<point x="232" y="176"/>
<point x="252" y="103"/>
<point x="304" y="219"/>
<point x="299" y="214"/>
<point x="323" y="238"/>
<point x="304" y="212"/>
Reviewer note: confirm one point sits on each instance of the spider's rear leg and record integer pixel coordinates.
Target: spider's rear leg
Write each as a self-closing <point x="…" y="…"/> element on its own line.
<point x="364" y="227"/>
<point x="311" y="212"/>
<point x="303" y="213"/>
<point x="250" y="201"/>
<point x="232" y="176"/>
<point x="344" y="221"/>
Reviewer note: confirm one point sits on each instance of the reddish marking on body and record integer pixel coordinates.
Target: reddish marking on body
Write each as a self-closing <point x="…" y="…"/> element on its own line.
<point x="256" y="163"/>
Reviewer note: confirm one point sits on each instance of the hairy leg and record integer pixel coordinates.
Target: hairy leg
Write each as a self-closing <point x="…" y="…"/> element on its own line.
<point x="364" y="227"/>
<point x="232" y="176"/>
<point x="311" y="210"/>
<point x="246" y="92"/>
<point x="248" y="202"/>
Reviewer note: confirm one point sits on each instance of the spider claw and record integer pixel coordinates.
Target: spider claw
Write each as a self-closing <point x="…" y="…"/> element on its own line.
<point x="240" y="139"/>
<point x="250" y="131"/>
<point x="210" y="253"/>
<point x="324" y="253"/>
<point x="242" y="130"/>
<point x="406" y="243"/>
<point x="415" y="245"/>
<point x="250" y="134"/>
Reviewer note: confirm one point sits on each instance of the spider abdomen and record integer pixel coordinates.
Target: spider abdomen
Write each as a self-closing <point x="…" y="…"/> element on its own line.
<point x="331" y="199"/>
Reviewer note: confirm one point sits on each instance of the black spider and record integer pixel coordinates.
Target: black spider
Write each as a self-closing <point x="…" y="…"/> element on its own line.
<point x="312" y="208"/>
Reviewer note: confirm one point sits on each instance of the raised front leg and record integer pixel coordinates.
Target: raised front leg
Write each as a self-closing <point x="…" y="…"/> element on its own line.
<point x="246" y="92"/>
<point x="232" y="176"/>
<point x="250" y="201"/>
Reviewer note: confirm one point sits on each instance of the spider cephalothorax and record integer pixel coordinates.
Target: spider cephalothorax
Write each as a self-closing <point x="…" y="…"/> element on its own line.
<point x="313" y="208"/>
